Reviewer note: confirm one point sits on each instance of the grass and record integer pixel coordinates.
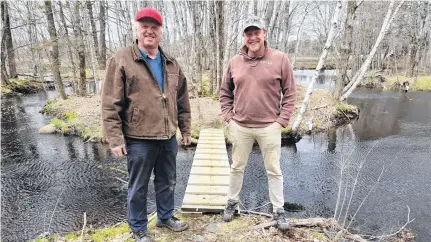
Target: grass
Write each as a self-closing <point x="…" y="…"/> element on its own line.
<point x="423" y="83"/>
<point x="101" y="235"/>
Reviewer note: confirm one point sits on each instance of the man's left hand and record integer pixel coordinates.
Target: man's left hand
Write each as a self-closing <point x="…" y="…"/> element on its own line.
<point x="187" y="140"/>
<point x="277" y="125"/>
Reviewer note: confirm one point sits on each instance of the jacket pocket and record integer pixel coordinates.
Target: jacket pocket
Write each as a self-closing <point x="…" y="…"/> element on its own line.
<point x="134" y="120"/>
<point x="173" y="80"/>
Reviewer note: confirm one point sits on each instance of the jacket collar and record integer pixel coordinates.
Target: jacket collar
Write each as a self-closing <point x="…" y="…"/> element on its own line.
<point x="137" y="54"/>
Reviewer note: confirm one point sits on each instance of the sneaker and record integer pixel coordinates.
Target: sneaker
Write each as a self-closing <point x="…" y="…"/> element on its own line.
<point x="229" y="211"/>
<point x="141" y="236"/>
<point x="173" y="224"/>
<point x="281" y="217"/>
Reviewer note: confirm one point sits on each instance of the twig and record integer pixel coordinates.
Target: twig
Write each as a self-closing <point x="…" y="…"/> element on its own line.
<point x="55" y="207"/>
<point x="127" y="237"/>
<point x="369" y="192"/>
<point x="401" y="229"/>
<point x="356" y="181"/>
<point x="83" y="226"/>
<point x="256" y="213"/>
<point x="323" y="106"/>
<point x="121" y="180"/>
<point x="152" y="216"/>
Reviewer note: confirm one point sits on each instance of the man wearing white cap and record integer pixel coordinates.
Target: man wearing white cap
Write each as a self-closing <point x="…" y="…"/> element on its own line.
<point x="257" y="99"/>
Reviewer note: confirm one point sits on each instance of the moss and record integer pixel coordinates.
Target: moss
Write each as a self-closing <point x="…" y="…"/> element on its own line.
<point x="71" y="236"/>
<point x="41" y="240"/>
<point x="61" y="125"/>
<point x="104" y="234"/>
<point x="236" y="223"/>
<point x="48" y="107"/>
<point x="319" y="236"/>
<point x="21" y="85"/>
<point x="70" y="117"/>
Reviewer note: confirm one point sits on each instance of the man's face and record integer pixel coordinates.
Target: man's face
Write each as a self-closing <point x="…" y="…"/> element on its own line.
<point x="149" y="33"/>
<point x="254" y="38"/>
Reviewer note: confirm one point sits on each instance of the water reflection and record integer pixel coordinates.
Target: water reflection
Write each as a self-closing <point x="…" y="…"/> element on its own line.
<point x="325" y="80"/>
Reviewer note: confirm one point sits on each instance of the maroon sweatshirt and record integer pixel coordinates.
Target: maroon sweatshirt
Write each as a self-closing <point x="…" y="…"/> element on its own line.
<point x="257" y="92"/>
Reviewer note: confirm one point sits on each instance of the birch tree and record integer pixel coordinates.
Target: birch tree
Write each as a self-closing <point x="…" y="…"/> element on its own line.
<point x="390" y="15"/>
<point x="319" y="67"/>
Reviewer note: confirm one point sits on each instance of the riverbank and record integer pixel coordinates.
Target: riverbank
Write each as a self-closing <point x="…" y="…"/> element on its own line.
<point x="394" y="83"/>
<point x="18" y="86"/>
<point x="82" y="115"/>
<point x="246" y="227"/>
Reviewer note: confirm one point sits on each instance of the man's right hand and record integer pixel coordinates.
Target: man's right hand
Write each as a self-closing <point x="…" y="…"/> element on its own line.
<point x="119" y="151"/>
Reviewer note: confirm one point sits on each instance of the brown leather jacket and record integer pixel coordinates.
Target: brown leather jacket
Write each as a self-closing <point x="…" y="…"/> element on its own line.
<point x="133" y="104"/>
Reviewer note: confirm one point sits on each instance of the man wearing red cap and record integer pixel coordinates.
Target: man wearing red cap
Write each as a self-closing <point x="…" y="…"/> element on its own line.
<point x="144" y="100"/>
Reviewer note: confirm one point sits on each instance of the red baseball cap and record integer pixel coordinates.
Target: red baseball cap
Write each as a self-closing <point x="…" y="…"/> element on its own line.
<point x="149" y="13"/>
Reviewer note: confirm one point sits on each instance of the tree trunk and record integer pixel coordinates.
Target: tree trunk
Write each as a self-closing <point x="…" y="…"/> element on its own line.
<point x="69" y="49"/>
<point x="298" y="36"/>
<point x="93" y="47"/>
<point x="8" y="39"/>
<point x="4" y="75"/>
<point x="55" y="61"/>
<point x="255" y="7"/>
<point x="35" y="43"/>
<point x="419" y="41"/>
<point x="331" y="35"/>
<point x="213" y="29"/>
<point x="345" y="49"/>
<point x="385" y="27"/>
<point x="268" y="15"/>
<point x="77" y="29"/>
<point x="93" y="28"/>
<point x="220" y="41"/>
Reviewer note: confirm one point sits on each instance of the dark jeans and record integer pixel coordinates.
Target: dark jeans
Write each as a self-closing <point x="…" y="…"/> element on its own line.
<point x="142" y="157"/>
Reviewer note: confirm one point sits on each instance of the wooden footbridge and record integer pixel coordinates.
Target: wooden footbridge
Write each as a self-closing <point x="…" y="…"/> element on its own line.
<point x="209" y="177"/>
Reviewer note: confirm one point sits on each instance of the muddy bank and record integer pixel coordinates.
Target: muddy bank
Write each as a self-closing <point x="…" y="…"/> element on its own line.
<point x="243" y="228"/>
<point x="81" y="115"/>
<point x="20" y="86"/>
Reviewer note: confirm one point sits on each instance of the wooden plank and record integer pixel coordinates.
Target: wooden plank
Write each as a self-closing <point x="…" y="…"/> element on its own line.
<point x="205" y="134"/>
<point x="211" y="142"/>
<point x="205" y="200"/>
<point x="221" y="152"/>
<point x="208" y="190"/>
<point x="211" y="163"/>
<point x="211" y="157"/>
<point x="211" y="138"/>
<point x="209" y="171"/>
<point x="208" y="180"/>
<point x="209" y="177"/>
<point x="201" y="209"/>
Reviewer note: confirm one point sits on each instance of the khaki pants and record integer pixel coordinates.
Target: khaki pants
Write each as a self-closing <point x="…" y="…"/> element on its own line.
<point x="269" y="140"/>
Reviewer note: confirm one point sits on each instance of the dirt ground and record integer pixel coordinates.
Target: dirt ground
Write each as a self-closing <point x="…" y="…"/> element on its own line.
<point x="211" y="228"/>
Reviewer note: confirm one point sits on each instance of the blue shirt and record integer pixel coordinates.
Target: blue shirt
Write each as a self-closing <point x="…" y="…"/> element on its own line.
<point x="156" y="66"/>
